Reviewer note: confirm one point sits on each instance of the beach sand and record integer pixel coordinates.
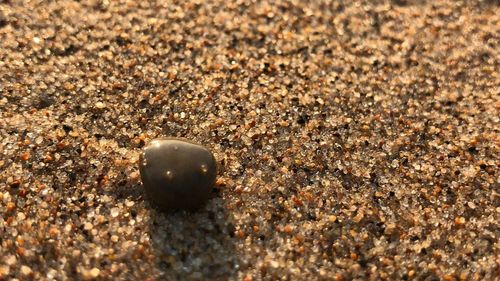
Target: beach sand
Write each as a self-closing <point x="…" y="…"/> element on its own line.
<point x="356" y="140"/>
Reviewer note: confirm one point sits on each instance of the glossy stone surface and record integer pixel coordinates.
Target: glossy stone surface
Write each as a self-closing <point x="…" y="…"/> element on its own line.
<point x="177" y="174"/>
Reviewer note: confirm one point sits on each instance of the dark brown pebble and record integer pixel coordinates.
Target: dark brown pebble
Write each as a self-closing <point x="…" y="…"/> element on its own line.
<point x="177" y="174"/>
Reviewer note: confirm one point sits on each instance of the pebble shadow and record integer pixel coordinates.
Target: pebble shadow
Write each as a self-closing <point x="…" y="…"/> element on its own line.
<point x="195" y="245"/>
<point x="188" y="245"/>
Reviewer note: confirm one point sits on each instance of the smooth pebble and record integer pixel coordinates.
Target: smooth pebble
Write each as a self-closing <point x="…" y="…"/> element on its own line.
<point x="177" y="174"/>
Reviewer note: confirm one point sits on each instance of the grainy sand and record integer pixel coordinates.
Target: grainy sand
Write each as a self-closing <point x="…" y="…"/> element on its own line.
<point x="356" y="140"/>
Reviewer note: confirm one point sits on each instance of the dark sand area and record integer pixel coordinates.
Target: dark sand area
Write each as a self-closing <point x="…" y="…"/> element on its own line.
<point x="356" y="140"/>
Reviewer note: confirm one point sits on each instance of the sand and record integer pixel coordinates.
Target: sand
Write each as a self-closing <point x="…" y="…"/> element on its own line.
<point x="356" y="140"/>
